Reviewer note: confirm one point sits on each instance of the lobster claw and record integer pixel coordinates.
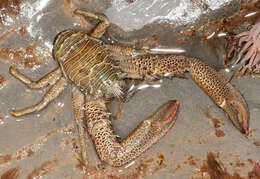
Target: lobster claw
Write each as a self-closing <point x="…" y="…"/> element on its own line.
<point x="222" y="93"/>
<point x="235" y="105"/>
<point x="213" y="83"/>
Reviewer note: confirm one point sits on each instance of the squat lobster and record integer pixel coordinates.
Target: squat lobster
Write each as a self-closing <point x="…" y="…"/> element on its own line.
<point x="95" y="70"/>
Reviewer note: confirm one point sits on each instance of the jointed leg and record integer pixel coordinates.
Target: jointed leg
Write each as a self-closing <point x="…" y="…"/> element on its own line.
<point x="53" y="93"/>
<point x="101" y="27"/>
<point x="78" y="113"/>
<point x="49" y="79"/>
<point x="143" y="137"/>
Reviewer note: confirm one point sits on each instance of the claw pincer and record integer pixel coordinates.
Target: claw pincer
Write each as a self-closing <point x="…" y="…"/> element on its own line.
<point x="147" y="133"/>
<point x="227" y="97"/>
<point x="221" y="92"/>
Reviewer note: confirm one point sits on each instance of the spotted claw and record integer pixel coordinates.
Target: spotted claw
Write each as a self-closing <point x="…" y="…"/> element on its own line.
<point x="222" y="93"/>
<point x="153" y="67"/>
<point x="234" y="105"/>
<point x="148" y="132"/>
<point x="165" y="117"/>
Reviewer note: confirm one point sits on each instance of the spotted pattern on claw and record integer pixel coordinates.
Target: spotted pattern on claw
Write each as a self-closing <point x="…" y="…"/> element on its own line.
<point x="87" y="63"/>
<point x="215" y="85"/>
<point x="147" y="133"/>
<point x="209" y="80"/>
<point x="154" y="66"/>
<point x="100" y="130"/>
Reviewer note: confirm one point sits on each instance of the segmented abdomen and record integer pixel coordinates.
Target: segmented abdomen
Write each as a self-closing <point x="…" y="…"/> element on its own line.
<point x="85" y="61"/>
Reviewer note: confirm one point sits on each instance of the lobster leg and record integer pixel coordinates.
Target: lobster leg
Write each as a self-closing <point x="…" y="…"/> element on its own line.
<point x="53" y="93"/>
<point x="101" y="28"/>
<point x="78" y="102"/>
<point x="49" y="79"/>
<point x="143" y="137"/>
<point x="151" y="66"/>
